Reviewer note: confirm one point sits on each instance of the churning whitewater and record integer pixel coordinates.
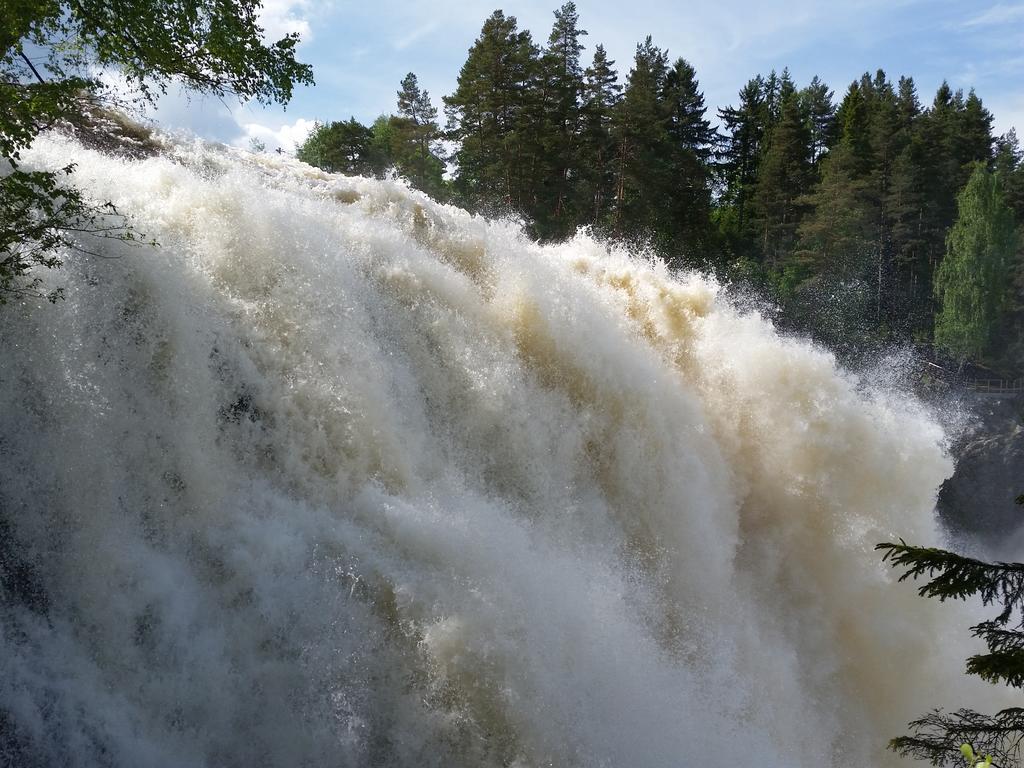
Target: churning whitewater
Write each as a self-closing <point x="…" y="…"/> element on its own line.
<point x="340" y="476"/>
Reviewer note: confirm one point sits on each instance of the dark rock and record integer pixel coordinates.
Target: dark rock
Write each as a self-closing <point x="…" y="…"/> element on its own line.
<point x="978" y="501"/>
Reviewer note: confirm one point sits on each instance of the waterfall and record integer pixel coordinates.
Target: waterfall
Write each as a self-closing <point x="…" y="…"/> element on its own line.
<point x="340" y="476"/>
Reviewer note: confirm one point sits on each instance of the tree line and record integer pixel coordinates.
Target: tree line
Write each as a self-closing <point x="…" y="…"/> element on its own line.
<point x="844" y="209"/>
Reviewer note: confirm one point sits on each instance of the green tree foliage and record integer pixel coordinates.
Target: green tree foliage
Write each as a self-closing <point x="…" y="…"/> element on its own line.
<point x="784" y="178"/>
<point x="415" y="136"/>
<point x="39" y="216"/>
<point x="639" y="129"/>
<point x="692" y="141"/>
<point x="1008" y="164"/>
<point x="816" y="103"/>
<point x="211" y="47"/>
<point x="938" y="736"/>
<point x="555" y="207"/>
<point x="850" y="202"/>
<point x="489" y="116"/>
<point x="602" y="94"/>
<point x="347" y="147"/>
<point x="841" y="226"/>
<point x="972" y="281"/>
<point x="739" y="160"/>
<point x="406" y="143"/>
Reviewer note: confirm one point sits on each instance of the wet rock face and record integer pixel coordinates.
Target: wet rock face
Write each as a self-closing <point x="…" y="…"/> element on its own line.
<point x="978" y="501"/>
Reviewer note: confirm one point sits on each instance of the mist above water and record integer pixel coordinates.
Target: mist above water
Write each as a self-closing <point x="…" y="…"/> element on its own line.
<point x="341" y="476"/>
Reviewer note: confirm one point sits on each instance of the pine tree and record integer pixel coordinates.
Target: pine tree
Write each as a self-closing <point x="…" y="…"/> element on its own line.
<point x="1009" y="164"/>
<point x="642" y="142"/>
<point x="559" y="163"/>
<point x="414" y="136"/>
<point x="907" y="103"/>
<point x="816" y="102"/>
<point x="906" y="194"/>
<point x="783" y="181"/>
<point x="886" y="140"/>
<point x="972" y="281"/>
<point x="906" y="202"/>
<point x="939" y="737"/>
<point x="771" y="93"/>
<point x="739" y="158"/>
<point x="692" y="141"/>
<point x="941" y="171"/>
<point x="973" y="136"/>
<point x="489" y="118"/>
<point x="601" y="97"/>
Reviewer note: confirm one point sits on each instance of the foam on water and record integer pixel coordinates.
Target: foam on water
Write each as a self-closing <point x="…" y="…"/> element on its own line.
<point x="341" y="476"/>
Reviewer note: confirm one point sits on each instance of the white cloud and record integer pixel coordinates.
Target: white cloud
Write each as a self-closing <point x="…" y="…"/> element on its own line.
<point x="411" y="37"/>
<point x="286" y="137"/>
<point x="283" y="17"/>
<point x="997" y="14"/>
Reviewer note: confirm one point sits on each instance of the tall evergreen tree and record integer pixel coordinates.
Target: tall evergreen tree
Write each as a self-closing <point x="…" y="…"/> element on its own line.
<point x="973" y="138"/>
<point x="601" y="97"/>
<point x="489" y="117"/>
<point x="642" y="141"/>
<point x="906" y="203"/>
<point x="559" y="161"/>
<point x="816" y="102"/>
<point x="972" y="281"/>
<point x="692" y="141"/>
<point x="941" y="171"/>
<point x="414" y="138"/>
<point x="1009" y="164"/>
<point x="739" y="157"/>
<point x="783" y="181"/>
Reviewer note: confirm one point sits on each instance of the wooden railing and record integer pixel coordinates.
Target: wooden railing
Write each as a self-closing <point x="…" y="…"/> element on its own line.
<point x="995" y="386"/>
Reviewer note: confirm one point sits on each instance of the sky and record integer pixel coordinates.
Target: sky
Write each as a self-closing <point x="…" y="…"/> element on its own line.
<point x="360" y="51"/>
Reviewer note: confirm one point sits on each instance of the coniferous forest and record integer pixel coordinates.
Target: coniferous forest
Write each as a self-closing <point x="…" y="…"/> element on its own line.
<point x="871" y="215"/>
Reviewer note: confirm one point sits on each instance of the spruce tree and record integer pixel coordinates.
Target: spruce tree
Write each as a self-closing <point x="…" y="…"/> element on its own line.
<point x="816" y="103"/>
<point x="738" y="160"/>
<point x="1009" y="164"/>
<point x="554" y="210"/>
<point x="489" y="118"/>
<point x="939" y="737"/>
<point x="973" y="138"/>
<point x="642" y="142"/>
<point x="942" y="172"/>
<point x="972" y="282"/>
<point x="906" y="206"/>
<point x="783" y="181"/>
<point x="414" y="136"/>
<point x="601" y="96"/>
<point x="692" y="141"/>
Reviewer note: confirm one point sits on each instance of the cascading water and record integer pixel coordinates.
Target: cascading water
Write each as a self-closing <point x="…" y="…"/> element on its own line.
<point x="338" y="476"/>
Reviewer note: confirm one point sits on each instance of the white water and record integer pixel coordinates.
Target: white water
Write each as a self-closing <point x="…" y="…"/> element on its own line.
<point x="339" y="476"/>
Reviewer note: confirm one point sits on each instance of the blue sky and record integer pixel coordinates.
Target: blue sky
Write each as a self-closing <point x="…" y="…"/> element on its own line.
<point x="360" y="51"/>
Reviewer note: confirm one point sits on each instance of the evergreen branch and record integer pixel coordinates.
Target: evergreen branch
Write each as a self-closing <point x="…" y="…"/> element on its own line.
<point x="937" y="736"/>
<point x="1004" y="665"/>
<point x="957" y="577"/>
<point x="997" y="638"/>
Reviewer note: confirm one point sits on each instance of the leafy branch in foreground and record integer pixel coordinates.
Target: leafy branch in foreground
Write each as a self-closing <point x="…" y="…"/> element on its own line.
<point x="40" y="217"/>
<point x="940" y="736"/>
<point x="51" y="55"/>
